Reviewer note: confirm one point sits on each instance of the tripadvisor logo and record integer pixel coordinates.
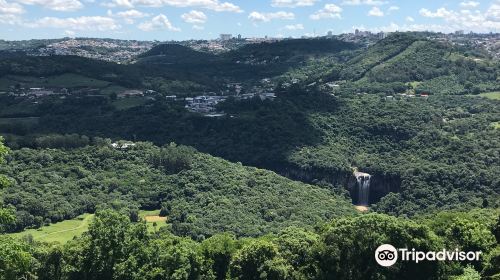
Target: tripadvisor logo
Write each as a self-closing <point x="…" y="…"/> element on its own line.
<point x="387" y="255"/>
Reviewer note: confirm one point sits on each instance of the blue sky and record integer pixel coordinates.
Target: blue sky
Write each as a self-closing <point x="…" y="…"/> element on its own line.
<point x="205" y="19"/>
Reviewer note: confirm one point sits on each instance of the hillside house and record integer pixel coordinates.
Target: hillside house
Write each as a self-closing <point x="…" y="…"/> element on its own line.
<point x="123" y="145"/>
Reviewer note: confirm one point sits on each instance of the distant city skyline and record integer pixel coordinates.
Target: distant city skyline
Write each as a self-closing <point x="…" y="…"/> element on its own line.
<point x="207" y="19"/>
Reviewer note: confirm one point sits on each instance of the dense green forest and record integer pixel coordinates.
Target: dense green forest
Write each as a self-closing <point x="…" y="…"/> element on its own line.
<point x="430" y="153"/>
<point x="266" y="190"/>
<point x="435" y="152"/>
<point x="118" y="245"/>
<point x="116" y="248"/>
<point x="201" y="195"/>
<point x="214" y="209"/>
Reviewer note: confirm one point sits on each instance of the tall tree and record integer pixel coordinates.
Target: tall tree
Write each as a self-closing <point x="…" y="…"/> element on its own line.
<point x="6" y="214"/>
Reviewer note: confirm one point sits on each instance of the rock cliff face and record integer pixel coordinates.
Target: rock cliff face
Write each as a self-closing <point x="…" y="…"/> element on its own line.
<point x="379" y="184"/>
<point x="311" y="175"/>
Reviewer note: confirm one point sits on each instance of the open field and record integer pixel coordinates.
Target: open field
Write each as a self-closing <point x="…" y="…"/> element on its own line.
<point x="491" y="95"/>
<point x="112" y="89"/>
<point x="59" y="81"/>
<point x="61" y="232"/>
<point x="72" y="80"/>
<point x="151" y="217"/>
<point x="130" y="102"/>
<point x="65" y="231"/>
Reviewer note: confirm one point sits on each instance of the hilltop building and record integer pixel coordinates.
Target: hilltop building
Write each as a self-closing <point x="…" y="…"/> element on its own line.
<point x="226" y="37"/>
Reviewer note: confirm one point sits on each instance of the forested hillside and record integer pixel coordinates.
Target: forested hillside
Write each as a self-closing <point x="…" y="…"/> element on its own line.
<point x="400" y="62"/>
<point x="430" y="153"/>
<point x="55" y="65"/>
<point x="383" y="51"/>
<point x="200" y="194"/>
<point x="408" y="61"/>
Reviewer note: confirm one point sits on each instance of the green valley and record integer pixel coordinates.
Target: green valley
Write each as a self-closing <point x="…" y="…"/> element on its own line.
<point x="274" y="159"/>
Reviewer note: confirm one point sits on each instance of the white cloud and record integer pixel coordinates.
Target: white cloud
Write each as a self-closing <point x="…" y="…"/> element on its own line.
<point x="493" y="12"/>
<point x="56" y="5"/>
<point x="376" y="12"/>
<point x="10" y="8"/>
<point x="329" y="11"/>
<point x="214" y="5"/>
<point x="132" y="14"/>
<point x="393" y="9"/>
<point x="266" y="17"/>
<point x="198" y="27"/>
<point x="440" y="13"/>
<point x="468" y="20"/>
<point x="292" y="3"/>
<point x="195" y="17"/>
<point x="129" y="16"/>
<point x="469" y="4"/>
<point x="10" y="19"/>
<point x="363" y="2"/>
<point x="407" y="27"/>
<point x="118" y="3"/>
<point x="298" y="26"/>
<point x="158" y="23"/>
<point x="94" y="23"/>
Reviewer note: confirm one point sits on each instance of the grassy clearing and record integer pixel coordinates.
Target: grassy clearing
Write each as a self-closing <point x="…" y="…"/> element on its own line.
<point x="130" y="102"/>
<point x="72" y="80"/>
<point x="152" y="217"/>
<point x="61" y="232"/>
<point x="58" y="81"/>
<point x="491" y="95"/>
<point x="414" y="84"/>
<point x="65" y="231"/>
<point x="144" y="213"/>
<point x="112" y="89"/>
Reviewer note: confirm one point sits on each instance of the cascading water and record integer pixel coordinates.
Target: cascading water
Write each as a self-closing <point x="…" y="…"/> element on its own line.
<point x="363" y="184"/>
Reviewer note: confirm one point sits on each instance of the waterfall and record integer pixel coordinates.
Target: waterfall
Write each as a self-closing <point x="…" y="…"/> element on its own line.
<point x="363" y="184"/>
